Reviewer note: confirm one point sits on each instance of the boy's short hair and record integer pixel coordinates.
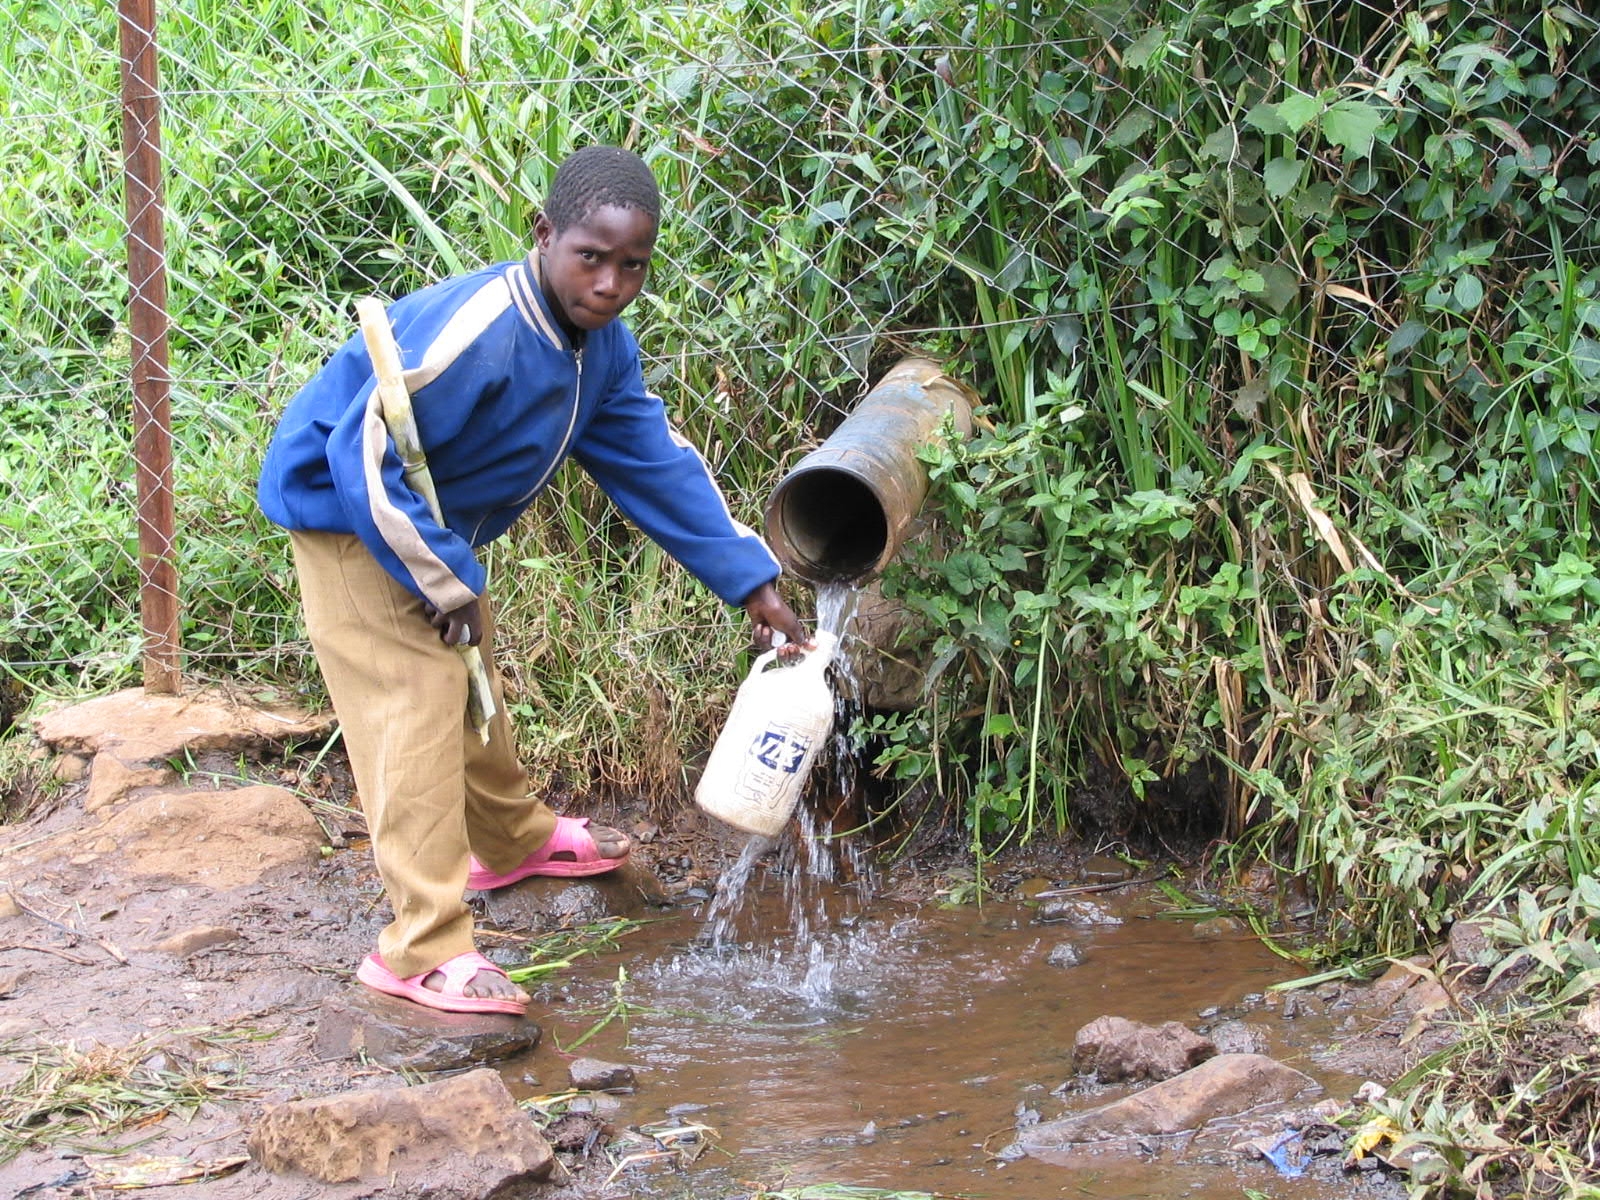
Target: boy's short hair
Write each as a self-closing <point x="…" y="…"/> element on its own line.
<point x="595" y="177"/>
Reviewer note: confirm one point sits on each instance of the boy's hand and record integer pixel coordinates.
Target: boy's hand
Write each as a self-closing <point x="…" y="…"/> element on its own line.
<point x="460" y="626"/>
<point x="769" y="614"/>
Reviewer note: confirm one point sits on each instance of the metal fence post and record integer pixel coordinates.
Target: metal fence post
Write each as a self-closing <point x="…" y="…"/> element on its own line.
<point x="147" y="327"/>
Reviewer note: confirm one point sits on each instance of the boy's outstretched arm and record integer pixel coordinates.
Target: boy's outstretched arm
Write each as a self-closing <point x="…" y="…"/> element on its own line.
<point x="769" y="614"/>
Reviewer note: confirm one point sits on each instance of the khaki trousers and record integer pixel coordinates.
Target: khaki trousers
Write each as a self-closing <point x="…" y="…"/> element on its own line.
<point x="431" y="791"/>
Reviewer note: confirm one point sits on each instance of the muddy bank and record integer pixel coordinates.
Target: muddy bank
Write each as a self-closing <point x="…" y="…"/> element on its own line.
<point x="186" y="909"/>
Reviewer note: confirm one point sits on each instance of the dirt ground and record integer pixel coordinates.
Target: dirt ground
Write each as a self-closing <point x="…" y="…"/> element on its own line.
<point x="177" y="907"/>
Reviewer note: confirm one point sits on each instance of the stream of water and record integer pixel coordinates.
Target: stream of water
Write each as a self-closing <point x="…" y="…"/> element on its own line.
<point x="830" y="1035"/>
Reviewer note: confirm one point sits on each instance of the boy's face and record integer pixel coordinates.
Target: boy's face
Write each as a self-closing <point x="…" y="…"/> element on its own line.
<point x="593" y="269"/>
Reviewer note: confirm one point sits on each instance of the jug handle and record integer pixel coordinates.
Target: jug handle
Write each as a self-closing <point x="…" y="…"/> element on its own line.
<point x="823" y="654"/>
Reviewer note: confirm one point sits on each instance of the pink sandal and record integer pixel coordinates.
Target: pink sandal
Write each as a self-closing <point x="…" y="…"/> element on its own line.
<point x="571" y="838"/>
<point x="457" y="972"/>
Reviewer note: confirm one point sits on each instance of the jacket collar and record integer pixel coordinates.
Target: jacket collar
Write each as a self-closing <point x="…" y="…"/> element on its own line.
<point x="527" y="292"/>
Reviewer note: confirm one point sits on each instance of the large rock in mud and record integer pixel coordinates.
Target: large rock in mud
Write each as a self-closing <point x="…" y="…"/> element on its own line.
<point x="397" y="1033"/>
<point x="1114" y="1049"/>
<point x="459" y="1139"/>
<point x="220" y="839"/>
<point x="1221" y="1087"/>
<point x="540" y="904"/>
<point x="140" y="728"/>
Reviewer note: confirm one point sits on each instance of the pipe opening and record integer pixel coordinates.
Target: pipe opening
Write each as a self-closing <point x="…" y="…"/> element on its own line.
<point x="832" y="525"/>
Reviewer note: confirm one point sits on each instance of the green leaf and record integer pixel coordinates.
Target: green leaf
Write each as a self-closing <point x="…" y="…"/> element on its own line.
<point x="680" y="81"/>
<point x="1315" y="201"/>
<point x="1469" y="291"/>
<point x="1266" y="118"/>
<point x="1298" y="109"/>
<point x="1222" y="144"/>
<point x="1000" y="725"/>
<point x="1281" y="176"/>
<point x="1352" y="124"/>
<point x="1144" y="49"/>
<point x="1131" y="128"/>
<point x="1282" y="286"/>
<point x="1406" y="335"/>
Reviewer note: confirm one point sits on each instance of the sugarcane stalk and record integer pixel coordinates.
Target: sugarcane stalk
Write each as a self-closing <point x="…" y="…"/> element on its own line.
<point x="395" y="399"/>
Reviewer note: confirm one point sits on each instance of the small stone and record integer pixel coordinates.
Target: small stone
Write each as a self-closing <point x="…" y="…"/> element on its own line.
<point x="1219" y="927"/>
<point x="1238" y="1037"/>
<point x="1102" y="868"/>
<point x="1588" y="1020"/>
<point x="1468" y="948"/>
<point x="1298" y="1004"/>
<point x="192" y="941"/>
<point x="70" y="768"/>
<point x="9" y="906"/>
<point x="597" y="1075"/>
<point x="1065" y="955"/>
<point x="1075" y="912"/>
<point x="111" y="779"/>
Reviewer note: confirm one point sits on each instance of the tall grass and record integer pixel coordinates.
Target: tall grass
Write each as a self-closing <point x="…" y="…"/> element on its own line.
<point x="1218" y="283"/>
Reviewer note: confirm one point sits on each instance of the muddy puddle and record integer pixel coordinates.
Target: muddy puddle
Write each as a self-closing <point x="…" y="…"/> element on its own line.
<point x="831" y="1038"/>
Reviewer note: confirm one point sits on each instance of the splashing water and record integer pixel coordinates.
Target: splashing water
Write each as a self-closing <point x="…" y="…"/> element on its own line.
<point x="800" y="962"/>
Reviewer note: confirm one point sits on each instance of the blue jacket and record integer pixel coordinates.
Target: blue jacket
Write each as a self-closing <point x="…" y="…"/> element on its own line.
<point x="501" y="398"/>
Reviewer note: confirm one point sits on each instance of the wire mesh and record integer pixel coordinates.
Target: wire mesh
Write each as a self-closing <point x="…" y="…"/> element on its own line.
<point x="1230" y="205"/>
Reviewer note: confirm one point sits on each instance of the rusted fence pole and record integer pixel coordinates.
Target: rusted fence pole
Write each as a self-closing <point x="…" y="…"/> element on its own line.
<point x="147" y="327"/>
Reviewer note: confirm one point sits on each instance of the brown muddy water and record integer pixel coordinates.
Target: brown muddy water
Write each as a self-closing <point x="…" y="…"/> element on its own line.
<point x="828" y="1037"/>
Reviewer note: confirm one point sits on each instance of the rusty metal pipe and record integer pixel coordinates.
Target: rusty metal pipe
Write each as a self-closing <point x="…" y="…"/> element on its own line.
<point x="844" y="511"/>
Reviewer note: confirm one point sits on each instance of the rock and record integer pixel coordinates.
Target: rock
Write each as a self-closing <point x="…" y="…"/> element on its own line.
<point x="597" y="1075"/>
<point x="1102" y="868"/>
<point x="222" y="839"/>
<point x="1588" y="1020"/>
<point x="1468" y="953"/>
<point x="192" y="941"/>
<point x="1113" y="1049"/>
<point x="462" y="1138"/>
<point x="1238" y="1037"/>
<point x="1073" y="911"/>
<point x="111" y="779"/>
<point x="1385" y="991"/>
<point x="150" y="729"/>
<point x="1219" y="927"/>
<point x="398" y="1033"/>
<point x="540" y="904"/>
<point x="1224" y="1086"/>
<point x="9" y="906"/>
<point x="1064" y="955"/>
<point x="1297" y="1004"/>
<point x="1429" y="996"/>
<point x="70" y="768"/>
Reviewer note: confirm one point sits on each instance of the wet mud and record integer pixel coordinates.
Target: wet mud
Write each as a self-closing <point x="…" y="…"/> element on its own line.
<point x="826" y="1018"/>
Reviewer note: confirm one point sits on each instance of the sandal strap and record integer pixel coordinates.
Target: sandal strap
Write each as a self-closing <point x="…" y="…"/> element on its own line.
<point x="458" y="971"/>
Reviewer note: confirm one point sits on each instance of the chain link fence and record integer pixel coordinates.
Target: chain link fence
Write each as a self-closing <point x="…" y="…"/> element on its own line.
<point x="1213" y="220"/>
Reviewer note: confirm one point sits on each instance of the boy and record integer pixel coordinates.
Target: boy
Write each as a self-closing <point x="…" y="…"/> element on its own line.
<point x="512" y="369"/>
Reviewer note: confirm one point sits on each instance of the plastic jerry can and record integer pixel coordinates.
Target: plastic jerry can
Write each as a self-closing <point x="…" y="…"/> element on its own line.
<point x="778" y="722"/>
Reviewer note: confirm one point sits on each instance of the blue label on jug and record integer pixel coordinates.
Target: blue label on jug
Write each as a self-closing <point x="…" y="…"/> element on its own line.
<point x="780" y="750"/>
